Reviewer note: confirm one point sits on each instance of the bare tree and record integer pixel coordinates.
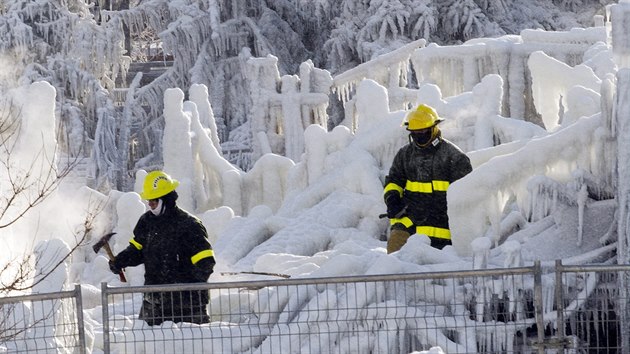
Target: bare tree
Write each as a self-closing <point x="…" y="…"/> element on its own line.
<point x="25" y="185"/>
<point x="15" y="320"/>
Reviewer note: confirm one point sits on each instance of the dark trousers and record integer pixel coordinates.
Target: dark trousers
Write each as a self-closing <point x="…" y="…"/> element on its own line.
<point x="187" y="306"/>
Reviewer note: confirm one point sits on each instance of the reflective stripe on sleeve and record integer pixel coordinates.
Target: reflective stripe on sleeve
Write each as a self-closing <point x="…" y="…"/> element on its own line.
<point x="393" y="187"/>
<point x="201" y="255"/>
<point x="136" y="244"/>
<point x="441" y="186"/>
<point x="405" y="221"/>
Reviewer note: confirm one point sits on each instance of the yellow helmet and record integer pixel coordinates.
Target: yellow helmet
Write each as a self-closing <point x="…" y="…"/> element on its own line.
<point x="157" y="184"/>
<point x="421" y="118"/>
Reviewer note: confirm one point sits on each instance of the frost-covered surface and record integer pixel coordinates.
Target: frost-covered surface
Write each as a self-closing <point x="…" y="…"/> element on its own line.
<point x="535" y="193"/>
<point x="80" y="48"/>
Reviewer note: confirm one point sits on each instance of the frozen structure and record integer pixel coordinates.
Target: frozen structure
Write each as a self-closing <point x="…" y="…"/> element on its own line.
<point x="280" y="116"/>
<point x="390" y="70"/>
<point x="524" y="173"/>
<point x="89" y="51"/>
<point x="557" y="181"/>
<point x="562" y="180"/>
<point x="621" y="52"/>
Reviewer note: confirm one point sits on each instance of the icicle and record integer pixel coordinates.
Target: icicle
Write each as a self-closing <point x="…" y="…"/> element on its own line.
<point x="582" y="197"/>
<point x="481" y="251"/>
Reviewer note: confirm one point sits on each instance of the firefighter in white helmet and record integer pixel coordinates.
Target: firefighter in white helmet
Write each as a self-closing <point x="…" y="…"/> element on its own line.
<point x="416" y="186"/>
<point x="174" y="248"/>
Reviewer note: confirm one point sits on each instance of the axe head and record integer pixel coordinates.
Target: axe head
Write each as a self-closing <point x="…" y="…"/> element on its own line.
<point x="104" y="240"/>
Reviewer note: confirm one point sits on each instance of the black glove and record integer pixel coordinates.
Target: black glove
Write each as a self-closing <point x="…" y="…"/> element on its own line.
<point x="395" y="207"/>
<point x="114" y="268"/>
<point x="203" y="269"/>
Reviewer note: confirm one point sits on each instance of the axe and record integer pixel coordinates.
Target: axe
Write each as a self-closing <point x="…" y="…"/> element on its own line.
<point x="104" y="243"/>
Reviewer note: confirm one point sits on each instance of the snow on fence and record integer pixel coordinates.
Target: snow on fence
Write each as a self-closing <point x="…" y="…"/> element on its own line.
<point x="43" y="323"/>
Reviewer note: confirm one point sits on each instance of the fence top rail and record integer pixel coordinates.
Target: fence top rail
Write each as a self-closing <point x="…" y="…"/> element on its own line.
<point x="593" y="268"/>
<point x="42" y="296"/>
<point x="323" y="280"/>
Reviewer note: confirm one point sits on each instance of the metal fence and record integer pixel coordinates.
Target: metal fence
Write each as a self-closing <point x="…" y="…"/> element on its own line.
<point x="43" y="323"/>
<point x="517" y="310"/>
<point x="561" y="309"/>
<point x="591" y="304"/>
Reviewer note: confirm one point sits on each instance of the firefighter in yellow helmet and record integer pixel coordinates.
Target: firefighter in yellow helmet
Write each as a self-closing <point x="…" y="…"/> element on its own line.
<point x="415" y="188"/>
<point x="174" y="248"/>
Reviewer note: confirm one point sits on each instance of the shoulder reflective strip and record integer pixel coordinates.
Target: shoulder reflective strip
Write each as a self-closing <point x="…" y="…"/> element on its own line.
<point x="440" y="185"/>
<point x="201" y="255"/>
<point x="393" y="187"/>
<point x="419" y="187"/>
<point x="405" y="221"/>
<point x="136" y="244"/>
<point x="432" y="231"/>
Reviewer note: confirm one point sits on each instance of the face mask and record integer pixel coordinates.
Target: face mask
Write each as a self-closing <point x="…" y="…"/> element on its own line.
<point x="422" y="137"/>
<point x="158" y="209"/>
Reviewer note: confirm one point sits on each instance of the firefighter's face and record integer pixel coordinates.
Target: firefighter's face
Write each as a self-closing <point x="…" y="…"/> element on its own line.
<point x="422" y="137"/>
<point x="153" y="203"/>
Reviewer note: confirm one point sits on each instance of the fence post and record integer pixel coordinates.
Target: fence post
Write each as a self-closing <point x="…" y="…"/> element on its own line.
<point x="106" y="348"/>
<point x="80" y="324"/>
<point x="559" y="301"/>
<point x="538" y="306"/>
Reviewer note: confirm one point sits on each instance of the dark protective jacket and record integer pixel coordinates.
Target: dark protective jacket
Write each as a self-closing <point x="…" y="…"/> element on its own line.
<point x="174" y="248"/>
<point x="421" y="177"/>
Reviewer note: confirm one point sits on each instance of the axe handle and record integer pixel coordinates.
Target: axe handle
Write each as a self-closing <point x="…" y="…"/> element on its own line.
<point x="111" y="256"/>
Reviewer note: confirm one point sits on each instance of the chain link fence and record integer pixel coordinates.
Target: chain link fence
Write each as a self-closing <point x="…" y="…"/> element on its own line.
<point x="591" y="304"/>
<point x="517" y="310"/>
<point x="43" y="323"/>
<point x="561" y="309"/>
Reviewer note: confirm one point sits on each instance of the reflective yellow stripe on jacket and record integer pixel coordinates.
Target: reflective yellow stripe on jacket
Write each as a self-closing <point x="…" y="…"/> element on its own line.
<point x="427" y="187"/>
<point x="418" y="187"/>
<point x="201" y="255"/>
<point x="136" y="244"/>
<point x="430" y="231"/>
<point x="393" y="187"/>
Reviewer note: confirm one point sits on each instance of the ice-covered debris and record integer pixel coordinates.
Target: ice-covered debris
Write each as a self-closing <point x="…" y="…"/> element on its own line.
<point x="551" y="79"/>
<point x="432" y="350"/>
<point x="512" y="252"/>
<point x="48" y="275"/>
<point x="418" y="250"/>
<point x="620" y="18"/>
<point x="215" y="221"/>
<point x="481" y="251"/>
<point x="129" y="208"/>
<point x="575" y="35"/>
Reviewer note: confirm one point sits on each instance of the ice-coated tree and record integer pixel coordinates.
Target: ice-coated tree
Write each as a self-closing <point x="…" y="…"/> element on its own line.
<point x="423" y="20"/>
<point x="463" y="19"/>
<point x="571" y="5"/>
<point x="60" y="42"/>
<point x="499" y="12"/>
<point x="208" y="42"/>
<point x="29" y="177"/>
<point x="84" y="48"/>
